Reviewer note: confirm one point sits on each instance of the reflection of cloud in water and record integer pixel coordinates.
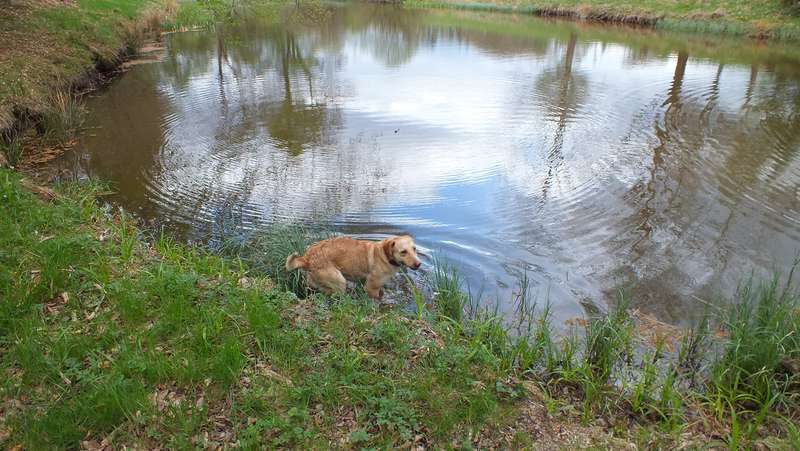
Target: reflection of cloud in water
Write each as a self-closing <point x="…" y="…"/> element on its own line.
<point x="592" y="165"/>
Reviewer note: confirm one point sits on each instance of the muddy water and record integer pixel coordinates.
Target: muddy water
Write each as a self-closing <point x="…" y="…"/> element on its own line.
<point x="595" y="159"/>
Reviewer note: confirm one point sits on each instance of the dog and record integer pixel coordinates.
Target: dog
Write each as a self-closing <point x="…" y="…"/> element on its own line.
<point x="330" y="263"/>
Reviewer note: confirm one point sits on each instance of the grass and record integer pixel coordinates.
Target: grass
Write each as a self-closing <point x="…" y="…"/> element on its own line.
<point x="773" y="19"/>
<point x="108" y="335"/>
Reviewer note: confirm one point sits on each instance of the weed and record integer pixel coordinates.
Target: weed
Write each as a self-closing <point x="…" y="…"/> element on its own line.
<point x="389" y="335"/>
<point x="127" y="237"/>
<point x="393" y="415"/>
<point x="267" y="252"/>
<point x="607" y="341"/>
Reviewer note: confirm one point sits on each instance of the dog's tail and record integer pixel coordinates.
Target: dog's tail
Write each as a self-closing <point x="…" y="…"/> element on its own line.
<point x="294" y="261"/>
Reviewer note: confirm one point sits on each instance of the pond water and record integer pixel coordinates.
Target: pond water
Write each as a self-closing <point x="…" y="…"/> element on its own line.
<point x="596" y="159"/>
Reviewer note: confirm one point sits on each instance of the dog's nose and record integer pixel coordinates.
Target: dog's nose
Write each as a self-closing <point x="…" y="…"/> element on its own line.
<point x="417" y="265"/>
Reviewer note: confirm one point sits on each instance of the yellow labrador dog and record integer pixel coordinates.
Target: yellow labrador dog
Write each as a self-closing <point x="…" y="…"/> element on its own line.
<point x="330" y="263"/>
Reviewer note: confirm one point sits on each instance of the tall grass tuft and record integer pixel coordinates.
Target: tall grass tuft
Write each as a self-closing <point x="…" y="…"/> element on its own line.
<point x="608" y="339"/>
<point x="133" y="36"/>
<point x="149" y="24"/>
<point x="416" y="293"/>
<point x="12" y="149"/>
<point x="64" y="116"/>
<point x="127" y="236"/>
<point x="759" y="362"/>
<point x="267" y="251"/>
<point x="447" y="295"/>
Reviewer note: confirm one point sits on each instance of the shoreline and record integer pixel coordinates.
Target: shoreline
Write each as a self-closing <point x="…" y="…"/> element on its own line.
<point x="708" y="23"/>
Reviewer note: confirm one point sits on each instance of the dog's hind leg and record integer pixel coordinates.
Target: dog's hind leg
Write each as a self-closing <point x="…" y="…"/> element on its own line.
<point x="374" y="287"/>
<point x="329" y="279"/>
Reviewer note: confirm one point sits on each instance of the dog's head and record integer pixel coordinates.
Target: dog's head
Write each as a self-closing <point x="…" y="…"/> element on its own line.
<point x="401" y="250"/>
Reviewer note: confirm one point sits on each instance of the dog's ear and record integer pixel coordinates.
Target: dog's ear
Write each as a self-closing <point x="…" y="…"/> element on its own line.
<point x="388" y="247"/>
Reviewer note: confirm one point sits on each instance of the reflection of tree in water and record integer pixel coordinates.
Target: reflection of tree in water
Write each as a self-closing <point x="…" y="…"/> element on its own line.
<point x="563" y="90"/>
<point x="766" y="141"/>
<point x="695" y="204"/>
<point x="296" y="122"/>
<point x="393" y="35"/>
<point x="657" y="188"/>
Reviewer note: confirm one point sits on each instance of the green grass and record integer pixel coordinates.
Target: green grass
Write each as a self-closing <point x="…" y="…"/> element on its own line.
<point x="105" y="335"/>
<point x="763" y="18"/>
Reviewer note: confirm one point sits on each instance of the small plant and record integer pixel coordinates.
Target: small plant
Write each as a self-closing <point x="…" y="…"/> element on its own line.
<point x="419" y="301"/>
<point x="394" y="415"/>
<point x="127" y="237"/>
<point x="693" y="346"/>
<point x="607" y="341"/>
<point x="641" y="395"/>
<point x="389" y="335"/>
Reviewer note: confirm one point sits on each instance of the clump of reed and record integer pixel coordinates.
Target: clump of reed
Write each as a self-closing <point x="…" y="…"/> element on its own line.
<point x="63" y="117"/>
<point x="758" y="368"/>
<point x="267" y="251"/>
<point x="11" y="148"/>
<point x="448" y="295"/>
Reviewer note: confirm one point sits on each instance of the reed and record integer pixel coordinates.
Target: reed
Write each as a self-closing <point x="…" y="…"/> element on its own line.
<point x="63" y="118"/>
<point x="448" y="296"/>
<point x="12" y="148"/>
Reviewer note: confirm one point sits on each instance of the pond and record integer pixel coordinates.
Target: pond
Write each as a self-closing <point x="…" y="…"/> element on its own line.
<point x="595" y="159"/>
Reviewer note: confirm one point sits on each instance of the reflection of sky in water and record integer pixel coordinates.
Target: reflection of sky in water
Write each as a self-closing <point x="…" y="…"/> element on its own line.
<point x="591" y="165"/>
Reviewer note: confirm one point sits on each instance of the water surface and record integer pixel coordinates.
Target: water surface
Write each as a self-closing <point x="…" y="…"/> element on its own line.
<point x="595" y="159"/>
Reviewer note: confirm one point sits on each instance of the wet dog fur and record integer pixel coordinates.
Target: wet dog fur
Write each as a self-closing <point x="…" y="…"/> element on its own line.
<point x="330" y="263"/>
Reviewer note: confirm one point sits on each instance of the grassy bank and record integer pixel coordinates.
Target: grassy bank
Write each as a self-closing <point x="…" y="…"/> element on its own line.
<point x="113" y="337"/>
<point x="773" y="19"/>
<point x="109" y="340"/>
<point x="50" y="46"/>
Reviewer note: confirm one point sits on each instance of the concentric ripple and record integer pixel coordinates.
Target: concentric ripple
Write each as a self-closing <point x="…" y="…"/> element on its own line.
<point x="586" y="160"/>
